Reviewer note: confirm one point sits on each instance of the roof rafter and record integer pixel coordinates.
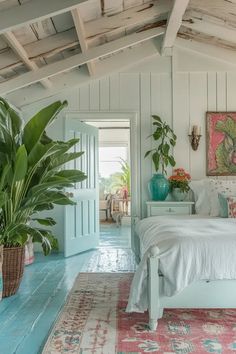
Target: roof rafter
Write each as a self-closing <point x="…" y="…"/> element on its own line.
<point x="131" y="18"/>
<point x="20" y="51"/>
<point x="80" y="77"/>
<point x="208" y="50"/>
<point x="174" y="23"/>
<point x="78" y="59"/>
<point x="209" y="25"/>
<point x="79" y="26"/>
<point x="33" y="11"/>
<point x="43" y="48"/>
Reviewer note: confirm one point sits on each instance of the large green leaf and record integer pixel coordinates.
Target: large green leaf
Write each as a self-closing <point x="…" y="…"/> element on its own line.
<point x="3" y="198"/>
<point x="35" y="128"/>
<point x="55" y="198"/>
<point x="61" y="160"/>
<point x="55" y="184"/>
<point x="156" y="160"/>
<point x="4" y="175"/>
<point x="46" y="221"/>
<point x="41" y="152"/>
<point x="72" y="175"/>
<point x="43" y="206"/>
<point x="46" y="197"/>
<point x="21" y="164"/>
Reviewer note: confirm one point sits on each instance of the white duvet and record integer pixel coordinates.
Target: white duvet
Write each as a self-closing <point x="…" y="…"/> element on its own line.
<point x="191" y="248"/>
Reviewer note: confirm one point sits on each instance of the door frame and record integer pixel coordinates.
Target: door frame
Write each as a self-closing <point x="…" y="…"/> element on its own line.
<point x="132" y="117"/>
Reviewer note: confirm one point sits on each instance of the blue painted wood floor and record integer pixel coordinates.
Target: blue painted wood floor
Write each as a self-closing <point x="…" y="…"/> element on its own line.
<point x="27" y="317"/>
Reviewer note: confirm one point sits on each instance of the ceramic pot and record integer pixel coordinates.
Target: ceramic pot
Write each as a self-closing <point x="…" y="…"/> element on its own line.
<point x="158" y="187"/>
<point x="178" y="195"/>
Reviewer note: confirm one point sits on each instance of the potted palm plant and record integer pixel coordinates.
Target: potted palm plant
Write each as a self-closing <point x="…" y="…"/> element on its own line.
<point x="164" y="139"/>
<point x="32" y="179"/>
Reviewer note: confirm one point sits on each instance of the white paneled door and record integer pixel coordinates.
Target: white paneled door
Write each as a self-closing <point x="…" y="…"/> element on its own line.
<point x="82" y="220"/>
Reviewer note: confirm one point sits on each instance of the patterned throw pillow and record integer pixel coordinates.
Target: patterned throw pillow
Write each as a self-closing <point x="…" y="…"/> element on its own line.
<point x="231" y="207"/>
<point x="216" y="186"/>
<point x="223" y="205"/>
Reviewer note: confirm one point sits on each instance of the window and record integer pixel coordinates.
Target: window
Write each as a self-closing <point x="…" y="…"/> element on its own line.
<point x="109" y="159"/>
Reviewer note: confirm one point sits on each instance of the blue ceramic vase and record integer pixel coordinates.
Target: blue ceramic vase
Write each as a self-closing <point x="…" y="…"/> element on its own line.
<point x="158" y="187"/>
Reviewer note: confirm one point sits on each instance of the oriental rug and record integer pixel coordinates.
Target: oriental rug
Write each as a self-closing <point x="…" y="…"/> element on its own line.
<point x="94" y="321"/>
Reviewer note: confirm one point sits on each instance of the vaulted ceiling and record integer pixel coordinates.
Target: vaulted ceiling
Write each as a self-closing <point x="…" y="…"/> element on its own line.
<point x="42" y="40"/>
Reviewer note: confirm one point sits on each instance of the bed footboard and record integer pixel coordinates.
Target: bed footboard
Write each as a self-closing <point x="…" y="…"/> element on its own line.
<point x="154" y="306"/>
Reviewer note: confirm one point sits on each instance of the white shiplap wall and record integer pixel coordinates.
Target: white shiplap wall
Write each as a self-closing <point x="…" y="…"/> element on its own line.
<point x="194" y="94"/>
<point x="149" y="89"/>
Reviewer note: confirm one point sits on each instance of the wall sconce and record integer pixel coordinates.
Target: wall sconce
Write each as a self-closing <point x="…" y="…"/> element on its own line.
<point x="194" y="136"/>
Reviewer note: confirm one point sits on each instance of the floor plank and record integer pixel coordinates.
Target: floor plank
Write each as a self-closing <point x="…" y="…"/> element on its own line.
<point x="27" y="317"/>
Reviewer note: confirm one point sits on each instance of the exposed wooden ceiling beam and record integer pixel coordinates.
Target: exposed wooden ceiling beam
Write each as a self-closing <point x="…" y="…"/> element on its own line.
<point x="130" y="18"/>
<point x="76" y="78"/>
<point x="189" y="34"/>
<point x="78" y="59"/>
<point x="79" y="26"/>
<point x="10" y="38"/>
<point x="194" y="22"/>
<point x="33" y="11"/>
<point x="222" y="10"/>
<point x="43" y="48"/>
<point x="173" y="24"/>
<point x="208" y="50"/>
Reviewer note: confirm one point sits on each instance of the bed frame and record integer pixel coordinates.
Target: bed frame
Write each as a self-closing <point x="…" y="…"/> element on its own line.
<point x="201" y="294"/>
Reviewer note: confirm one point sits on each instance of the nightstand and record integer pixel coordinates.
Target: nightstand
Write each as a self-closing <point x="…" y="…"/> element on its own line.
<point x="169" y="208"/>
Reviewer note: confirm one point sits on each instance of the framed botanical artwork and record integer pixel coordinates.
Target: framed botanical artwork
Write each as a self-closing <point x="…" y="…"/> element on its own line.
<point x="221" y="143"/>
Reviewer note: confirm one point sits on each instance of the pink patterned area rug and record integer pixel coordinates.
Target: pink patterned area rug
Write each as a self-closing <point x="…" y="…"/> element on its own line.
<point x="94" y="321"/>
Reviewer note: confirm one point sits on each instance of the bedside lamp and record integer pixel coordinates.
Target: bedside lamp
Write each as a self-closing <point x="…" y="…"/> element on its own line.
<point x="194" y="136"/>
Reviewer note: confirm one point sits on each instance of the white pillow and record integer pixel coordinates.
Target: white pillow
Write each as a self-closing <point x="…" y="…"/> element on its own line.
<point x="200" y="189"/>
<point x="216" y="186"/>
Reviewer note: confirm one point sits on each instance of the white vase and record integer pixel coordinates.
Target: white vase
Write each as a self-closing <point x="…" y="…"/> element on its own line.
<point x="179" y="195"/>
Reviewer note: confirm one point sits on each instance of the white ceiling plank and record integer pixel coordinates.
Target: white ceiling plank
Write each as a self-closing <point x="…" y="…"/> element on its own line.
<point x="78" y="59"/>
<point x="223" y="10"/>
<point x="206" y="49"/>
<point x="63" y="22"/>
<point x="20" y="51"/>
<point x="52" y="45"/>
<point x="9" y="60"/>
<point x="79" y="26"/>
<point x="213" y="29"/>
<point x="43" y="48"/>
<point x="89" y="10"/>
<point x="126" y="19"/>
<point x="76" y="78"/>
<point x="43" y="28"/>
<point x="174" y="23"/>
<point x="189" y="34"/>
<point x="34" y="11"/>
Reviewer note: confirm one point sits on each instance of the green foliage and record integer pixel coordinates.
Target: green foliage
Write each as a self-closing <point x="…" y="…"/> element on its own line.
<point x="32" y="176"/>
<point x="165" y="138"/>
<point x="122" y="179"/>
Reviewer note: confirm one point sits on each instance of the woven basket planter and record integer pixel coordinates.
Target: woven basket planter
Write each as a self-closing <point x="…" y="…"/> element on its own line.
<point x="12" y="269"/>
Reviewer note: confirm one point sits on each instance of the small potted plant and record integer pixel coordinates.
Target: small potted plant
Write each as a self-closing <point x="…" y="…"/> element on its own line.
<point x="179" y="184"/>
<point x="165" y="139"/>
<point x="32" y="179"/>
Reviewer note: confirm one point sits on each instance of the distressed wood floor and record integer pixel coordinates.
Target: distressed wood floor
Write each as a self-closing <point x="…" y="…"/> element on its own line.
<point x="26" y="318"/>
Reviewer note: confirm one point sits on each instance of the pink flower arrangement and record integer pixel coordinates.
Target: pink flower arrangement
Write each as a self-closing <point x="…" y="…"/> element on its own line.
<point x="180" y="179"/>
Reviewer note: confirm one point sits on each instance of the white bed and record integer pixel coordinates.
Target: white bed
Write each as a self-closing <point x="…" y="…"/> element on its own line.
<point x="186" y="261"/>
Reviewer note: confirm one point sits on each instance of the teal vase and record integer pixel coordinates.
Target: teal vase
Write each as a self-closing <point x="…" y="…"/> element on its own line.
<point x="158" y="187"/>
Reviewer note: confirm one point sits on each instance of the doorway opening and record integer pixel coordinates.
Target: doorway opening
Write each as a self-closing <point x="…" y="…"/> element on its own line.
<point x="114" y="183"/>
